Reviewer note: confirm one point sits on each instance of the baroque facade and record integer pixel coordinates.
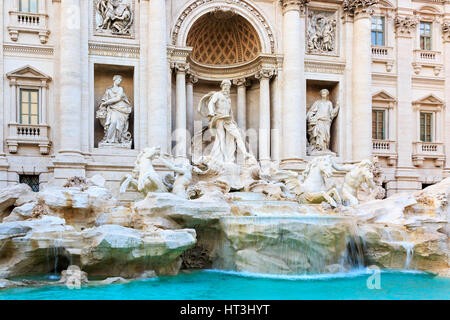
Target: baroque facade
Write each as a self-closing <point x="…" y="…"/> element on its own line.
<point x="65" y="111"/>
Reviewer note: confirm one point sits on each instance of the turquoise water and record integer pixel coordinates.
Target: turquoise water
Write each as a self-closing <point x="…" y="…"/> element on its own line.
<point x="210" y="284"/>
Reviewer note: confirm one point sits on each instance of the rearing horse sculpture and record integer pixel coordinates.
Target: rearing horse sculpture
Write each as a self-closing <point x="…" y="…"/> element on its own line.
<point x="312" y="187"/>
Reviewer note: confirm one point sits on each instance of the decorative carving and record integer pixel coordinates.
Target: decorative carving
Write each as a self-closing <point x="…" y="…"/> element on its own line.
<point x="241" y="82"/>
<point x="114" y="17"/>
<point x="321" y="37"/>
<point x="404" y="26"/>
<point x="298" y="5"/>
<point x="446" y="31"/>
<point x="113" y="114"/>
<point x="192" y="78"/>
<point x="265" y="73"/>
<point x="181" y="67"/>
<point x="355" y="7"/>
<point x="216" y="105"/>
<point x="319" y="119"/>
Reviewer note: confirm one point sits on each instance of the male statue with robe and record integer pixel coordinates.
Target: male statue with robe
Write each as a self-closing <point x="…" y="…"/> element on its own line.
<point x="319" y="119"/>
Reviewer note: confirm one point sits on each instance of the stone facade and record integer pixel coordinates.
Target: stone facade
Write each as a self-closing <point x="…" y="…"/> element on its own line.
<point x="170" y="53"/>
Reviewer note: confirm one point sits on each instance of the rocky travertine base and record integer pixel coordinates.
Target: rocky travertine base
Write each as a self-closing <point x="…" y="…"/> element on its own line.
<point x="84" y="226"/>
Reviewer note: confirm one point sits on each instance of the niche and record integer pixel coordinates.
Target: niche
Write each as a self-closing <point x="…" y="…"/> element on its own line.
<point x="103" y="79"/>
<point x="313" y="88"/>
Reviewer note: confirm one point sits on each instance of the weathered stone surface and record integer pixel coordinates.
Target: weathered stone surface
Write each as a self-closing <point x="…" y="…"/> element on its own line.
<point x="169" y="211"/>
<point x="23" y="212"/>
<point x="282" y="245"/>
<point x="9" y="196"/>
<point x="48" y="244"/>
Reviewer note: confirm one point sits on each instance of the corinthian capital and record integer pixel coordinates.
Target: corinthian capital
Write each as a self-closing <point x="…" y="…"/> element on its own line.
<point x="265" y="74"/>
<point x="297" y="5"/>
<point x="404" y="26"/>
<point x="446" y="31"/>
<point x="181" y="67"/>
<point x="357" y="7"/>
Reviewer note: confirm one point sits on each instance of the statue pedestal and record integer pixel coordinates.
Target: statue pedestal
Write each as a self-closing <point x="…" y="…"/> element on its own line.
<point x="108" y="145"/>
<point x="318" y="153"/>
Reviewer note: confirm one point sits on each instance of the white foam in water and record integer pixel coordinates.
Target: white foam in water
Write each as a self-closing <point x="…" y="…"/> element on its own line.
<point x="323" y="276"/>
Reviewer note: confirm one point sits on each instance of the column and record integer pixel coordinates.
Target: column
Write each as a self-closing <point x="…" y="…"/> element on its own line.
<point x="69" y="160"/>
<point x="406" y="175"/>
<point x="3" y="122"/>
<point x="446" y="55"/>
<point x="361" y="78"/>
<point x="264" y="114"/>
<point x="157" y="76"/>
<point x="276" y="117"/>
<point x="294" y="85"/>
<point x="346" y="106"/>
<point x="70" y="79"/>
<point x="191" y="80"/>
<point x="241" y="103"/>
<point x="180" y="110"/>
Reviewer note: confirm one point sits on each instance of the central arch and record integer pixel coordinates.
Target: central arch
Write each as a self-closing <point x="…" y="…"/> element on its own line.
<point x="196" y="9"/>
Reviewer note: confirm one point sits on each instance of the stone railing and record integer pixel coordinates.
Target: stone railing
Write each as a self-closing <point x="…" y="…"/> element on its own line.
<point x="427" y="58"/>
<point x="28" y="22"/>
<point x="383" y="146"/>
<point x="384" y="55"/>
<point x="385" y="149"/>
<point x="430" y="150"/>
<point x="28" y="134"/>
<point x="381" y="52"/>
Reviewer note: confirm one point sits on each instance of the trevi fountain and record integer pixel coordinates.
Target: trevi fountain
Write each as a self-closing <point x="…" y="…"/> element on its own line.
<point x="225" y="213"/>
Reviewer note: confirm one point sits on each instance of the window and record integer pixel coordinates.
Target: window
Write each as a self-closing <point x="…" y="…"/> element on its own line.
<point x="30" y="179"/>
<point x="29" y="106"/>
<point x="378" y="121"/>
<point x="28" y="6"/>
<point x="426" y="126"/>
<point x="425" y="35"/>
<point x="378" y="31"/>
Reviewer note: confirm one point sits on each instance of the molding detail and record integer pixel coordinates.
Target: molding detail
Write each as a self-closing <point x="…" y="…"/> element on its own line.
<point x="20" y="50"/>
<point x="109" y="50"/>
<point x="315" y="66"/>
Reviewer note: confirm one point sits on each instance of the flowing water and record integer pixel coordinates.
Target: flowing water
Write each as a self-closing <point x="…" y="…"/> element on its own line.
<point x="214" y="284"/>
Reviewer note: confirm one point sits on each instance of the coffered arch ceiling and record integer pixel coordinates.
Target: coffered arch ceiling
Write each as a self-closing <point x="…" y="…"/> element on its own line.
<point x="220" y="39"/>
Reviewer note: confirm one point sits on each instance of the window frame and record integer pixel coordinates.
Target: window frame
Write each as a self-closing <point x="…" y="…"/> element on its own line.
<point x="377" y="32"/>
<point x="38" y="103"/>
<point x="29" y="6"/>
<point x="423" y="137"/>
<point x="427" y="43"/>
<point x="384" y="112"/>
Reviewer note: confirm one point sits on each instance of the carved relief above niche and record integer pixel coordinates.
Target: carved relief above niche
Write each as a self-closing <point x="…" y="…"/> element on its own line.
<point x="114" y="18"/>
<point x="321" y="34"/>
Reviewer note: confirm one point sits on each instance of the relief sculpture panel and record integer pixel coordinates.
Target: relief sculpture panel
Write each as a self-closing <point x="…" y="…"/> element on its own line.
<point x="114" y="17"/>
<point x="321" y="35"/>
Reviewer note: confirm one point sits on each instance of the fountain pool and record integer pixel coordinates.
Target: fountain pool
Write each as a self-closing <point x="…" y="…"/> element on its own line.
<point x="224" y="285"/>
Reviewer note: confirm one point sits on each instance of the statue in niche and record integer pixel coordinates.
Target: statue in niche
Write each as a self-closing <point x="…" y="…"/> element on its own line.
<point x="321" y="33"/>
<point x="113" y="114"/>
<point x="319" y="119"/>
<point x="216" y="106"/>
<point x="114" y="16"/>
